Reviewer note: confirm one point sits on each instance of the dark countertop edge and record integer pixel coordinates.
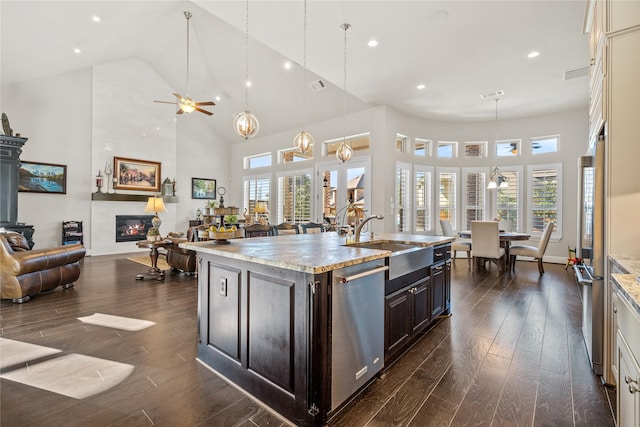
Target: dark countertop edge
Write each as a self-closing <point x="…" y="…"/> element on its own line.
<point x="358" y="258"/>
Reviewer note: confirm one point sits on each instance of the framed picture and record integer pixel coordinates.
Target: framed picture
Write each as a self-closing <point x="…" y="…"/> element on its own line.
<point x="202" y="188"/>
<point x="138" y="175"/>
<point x="42" y="178"/>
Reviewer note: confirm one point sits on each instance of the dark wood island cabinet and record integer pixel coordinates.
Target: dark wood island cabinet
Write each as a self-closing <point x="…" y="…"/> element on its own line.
<point x="303" y="322"/>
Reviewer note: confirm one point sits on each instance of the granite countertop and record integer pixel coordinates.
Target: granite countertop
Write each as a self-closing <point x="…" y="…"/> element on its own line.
<point x="628" y="284"/>
<point x="310" y="253"/>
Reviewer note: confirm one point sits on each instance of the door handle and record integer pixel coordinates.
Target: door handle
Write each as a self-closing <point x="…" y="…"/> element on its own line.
<point x="363" y="274"/>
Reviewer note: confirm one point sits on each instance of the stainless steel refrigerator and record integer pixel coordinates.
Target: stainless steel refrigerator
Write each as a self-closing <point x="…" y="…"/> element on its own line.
<point x="591" y="248"/>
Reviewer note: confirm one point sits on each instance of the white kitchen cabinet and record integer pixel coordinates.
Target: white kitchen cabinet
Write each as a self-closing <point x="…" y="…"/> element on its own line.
<point x="628" y="354"/>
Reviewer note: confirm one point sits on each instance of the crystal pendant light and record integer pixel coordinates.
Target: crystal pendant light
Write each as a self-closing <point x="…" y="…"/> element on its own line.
<point x="244" y="123"/>
<point x="344" y="152"/>
<point x="304" y="141"/>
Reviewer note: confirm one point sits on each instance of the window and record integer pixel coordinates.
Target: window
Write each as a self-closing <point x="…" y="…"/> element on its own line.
<point x="292" y="155"/>
<point x="545" y="201"/>
<point x="474" y="198"/>
<point x="423" y="179"/>
<point x="422" y="147"/>
<point x="545" y="144"/>
<point x="257" y="161"/>
<point x="508" y="148"/>
<point x="256" y="189"/>
<point x="403" y="197"/>
<point x="401" y="143"/>
<point x="509" y="199"/>
<point x="447" y="202"/>
<point x="475" y="149"/>
<point x="447" y="149"/>
<point x="356" y="142"/>
<point x="294" y="198"/>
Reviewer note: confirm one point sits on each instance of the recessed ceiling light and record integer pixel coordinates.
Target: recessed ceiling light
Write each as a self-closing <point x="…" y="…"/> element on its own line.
<point x="95" y="18"/>
<point x="533" y="54"/>
<point x="218" y="98"/>
<point x="249" y="83"/>
<point x="287" y="65"/>
<point x="77" y="51"/>
<point x="372" y="43"/>
<point x="421" y="86"/>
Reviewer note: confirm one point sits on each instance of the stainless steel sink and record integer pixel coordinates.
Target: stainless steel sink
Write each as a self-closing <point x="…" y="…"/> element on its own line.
<point x="404" y="258"/>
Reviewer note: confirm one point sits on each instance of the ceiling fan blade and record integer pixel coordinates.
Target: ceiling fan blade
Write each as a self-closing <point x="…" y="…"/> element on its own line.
<point x="167" y="102"/>
<point x="204" y="111"/>
<point x="205" y="103"/>
<point x="177" y="95"/>
<point x="179" y="111"/>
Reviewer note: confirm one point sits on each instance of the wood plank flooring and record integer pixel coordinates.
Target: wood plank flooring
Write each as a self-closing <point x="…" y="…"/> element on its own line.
<point x="510" y="355"/>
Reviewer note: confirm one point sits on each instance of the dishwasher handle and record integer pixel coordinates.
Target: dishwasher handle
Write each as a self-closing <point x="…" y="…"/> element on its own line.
<point x="587" y="279"/>
<point x="363" y="274"/>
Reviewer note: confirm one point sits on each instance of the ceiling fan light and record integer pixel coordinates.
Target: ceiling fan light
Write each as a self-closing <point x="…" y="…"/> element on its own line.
<point x="344" y="152"/>
<point x="303" y="141"/>
<point x="187" y="105"/>
<point x="245" y="124"/>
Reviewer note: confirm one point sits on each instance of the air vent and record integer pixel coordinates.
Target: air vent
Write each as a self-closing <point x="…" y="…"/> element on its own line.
<point x="318" y="85"/>
<point x="578" y="72"/>
<point x="496" y="94"/>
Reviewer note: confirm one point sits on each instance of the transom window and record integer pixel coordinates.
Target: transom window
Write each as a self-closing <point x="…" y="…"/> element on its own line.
<point x="422" y="147"/>
<point x="292" y="155"/>
<point x="475" y="149"/>
<point x="257" y="161"/>
<point x="508" y="148"/>
<point x="401" y="143"/>
<point x="356" y="142"/>
<point x="545" y="144"/>
<point x="447" y="149"/>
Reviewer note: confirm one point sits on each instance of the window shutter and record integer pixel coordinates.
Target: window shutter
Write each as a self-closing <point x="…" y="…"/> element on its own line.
<point x="507" y="203"/>
<point x="447" y="197"/>
<point x="294" y="198"/>
<point x="544" y="198"/>
<point x="475" y="196"/>
<point x="403" y="199"/>
<point x="423" y="201"/>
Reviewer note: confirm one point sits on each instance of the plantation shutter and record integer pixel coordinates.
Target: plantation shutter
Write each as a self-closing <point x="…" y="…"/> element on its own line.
<point x="447" y="197"/>
<point x="403" y="198"/>
<point x="475" y="196"/>
<point x="254" y="190"/>
<point x="544" y="198"/>
<point x="423" y="200"/>
<point x="508" y="199"/>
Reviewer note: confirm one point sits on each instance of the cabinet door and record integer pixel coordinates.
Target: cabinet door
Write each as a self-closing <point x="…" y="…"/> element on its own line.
<point x="628" y="386"/>
<point x="421" y="305"/>
<point x="397" y="321"/>
<point x="438" y="292"/>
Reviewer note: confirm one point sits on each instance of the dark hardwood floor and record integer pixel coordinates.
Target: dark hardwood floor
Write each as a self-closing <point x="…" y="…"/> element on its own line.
<point x="510" y="355"/>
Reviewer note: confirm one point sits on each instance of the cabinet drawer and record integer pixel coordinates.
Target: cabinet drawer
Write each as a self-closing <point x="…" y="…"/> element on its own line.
<point x="441" y="253"/>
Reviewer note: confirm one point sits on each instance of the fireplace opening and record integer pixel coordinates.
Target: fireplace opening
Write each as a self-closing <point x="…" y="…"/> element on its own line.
<point x="131" y="228"/>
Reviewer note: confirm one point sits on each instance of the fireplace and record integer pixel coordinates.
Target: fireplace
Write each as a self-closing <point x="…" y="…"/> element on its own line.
<point x="131" y="228"/>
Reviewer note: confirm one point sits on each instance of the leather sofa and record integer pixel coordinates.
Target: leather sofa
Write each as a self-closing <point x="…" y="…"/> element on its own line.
<point x="28" y="272"/>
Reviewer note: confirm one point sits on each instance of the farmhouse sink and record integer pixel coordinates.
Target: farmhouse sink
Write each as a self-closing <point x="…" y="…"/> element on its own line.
<point x="404" y="258"/>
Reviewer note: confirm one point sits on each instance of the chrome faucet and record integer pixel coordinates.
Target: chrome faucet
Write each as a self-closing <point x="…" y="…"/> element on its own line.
<point x="360" y="225"/>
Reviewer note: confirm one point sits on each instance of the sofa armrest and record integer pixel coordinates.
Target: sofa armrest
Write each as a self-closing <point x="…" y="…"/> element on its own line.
<point x="42" y="259"/>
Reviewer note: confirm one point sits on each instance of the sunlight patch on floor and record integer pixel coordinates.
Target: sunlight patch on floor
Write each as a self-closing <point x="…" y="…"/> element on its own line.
<point x="117" y="322"/>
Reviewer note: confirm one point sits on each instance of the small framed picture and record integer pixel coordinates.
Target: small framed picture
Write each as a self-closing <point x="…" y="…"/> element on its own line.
<point x="42" y="178"/>
<point x="137" y="175"/>
<point x="203" y="188"/>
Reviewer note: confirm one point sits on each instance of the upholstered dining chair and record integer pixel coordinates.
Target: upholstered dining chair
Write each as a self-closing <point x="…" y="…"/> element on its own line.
<point x="285" y="228"/>
<point x="485" y="243"/>
<point x="458" y="244"/>
<point x="258" y="230"/>
<point x="312" y="227"/>
<point x="532" y="251"/>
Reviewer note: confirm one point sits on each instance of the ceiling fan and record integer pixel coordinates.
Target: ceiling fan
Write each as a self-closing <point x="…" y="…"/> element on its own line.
<point x="186" y="104"/>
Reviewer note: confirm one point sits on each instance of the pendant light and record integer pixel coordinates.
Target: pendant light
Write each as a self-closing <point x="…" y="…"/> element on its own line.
<point x="244" y="123"/>
<point x="304" y="141"/>
<point x="344" y="152"/>
<point x="496" y="179"/>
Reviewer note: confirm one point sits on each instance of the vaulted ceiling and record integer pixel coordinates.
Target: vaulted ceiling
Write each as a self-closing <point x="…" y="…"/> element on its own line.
<point x="457" y="49"/>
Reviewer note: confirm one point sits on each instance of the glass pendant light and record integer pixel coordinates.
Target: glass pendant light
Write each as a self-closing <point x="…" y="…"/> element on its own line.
<point x="244" y="123"/>
<point x="304" y="141"/>
<point x="497" y="180"/>
<point x="344" y="152"/>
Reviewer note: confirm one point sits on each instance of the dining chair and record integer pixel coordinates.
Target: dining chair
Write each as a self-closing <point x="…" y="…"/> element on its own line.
<point x="258" y="230"/>
<point x="532" y="251"/>
<point x="311" y="227"/>
<point x="285" y="228"/>
<point x="458" y="244"/>
<point x="485" y="243"/>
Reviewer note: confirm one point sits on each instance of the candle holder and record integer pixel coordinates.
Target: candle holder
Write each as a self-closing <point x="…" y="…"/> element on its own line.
<point x="99" y="181"/>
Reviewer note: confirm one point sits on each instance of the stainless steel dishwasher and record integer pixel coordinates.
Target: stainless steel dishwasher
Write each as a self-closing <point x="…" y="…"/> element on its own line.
<point x="357" y="327"/>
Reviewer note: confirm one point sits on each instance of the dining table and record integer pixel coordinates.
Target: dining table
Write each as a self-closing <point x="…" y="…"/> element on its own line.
<point x="506" y="237"/>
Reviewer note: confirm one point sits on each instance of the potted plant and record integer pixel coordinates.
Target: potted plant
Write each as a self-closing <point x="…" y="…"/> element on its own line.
<point x="153" y="234"/>
<point x="209" y="207"/>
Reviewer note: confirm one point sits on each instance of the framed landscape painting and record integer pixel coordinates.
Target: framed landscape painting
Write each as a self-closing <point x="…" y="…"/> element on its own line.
<point x="137" y="175"/>
<point x="42" y="178"/>
<point x="202" y="188"/>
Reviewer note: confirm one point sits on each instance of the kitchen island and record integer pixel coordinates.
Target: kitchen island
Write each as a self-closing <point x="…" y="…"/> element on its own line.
<point x="305" y="322"/>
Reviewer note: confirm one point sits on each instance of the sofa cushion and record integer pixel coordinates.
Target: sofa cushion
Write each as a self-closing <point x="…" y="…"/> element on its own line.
<point x="17" y="241"/>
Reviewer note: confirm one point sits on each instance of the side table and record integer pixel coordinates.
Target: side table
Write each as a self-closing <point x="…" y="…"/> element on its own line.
<point x="154" y="272"/>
